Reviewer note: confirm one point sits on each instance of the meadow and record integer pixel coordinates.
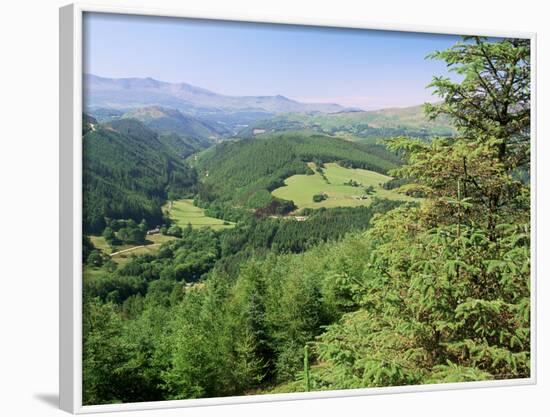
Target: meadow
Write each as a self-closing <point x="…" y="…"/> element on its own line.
<point x="302" y="188"/>
<point x="183" y="212"/>
<point x="123" y="253"/>
<point x="152" y="245"/>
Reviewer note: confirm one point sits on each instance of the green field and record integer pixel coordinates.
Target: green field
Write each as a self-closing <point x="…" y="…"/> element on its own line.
<point x="90" y="273"/>
<point x="100" y="243"/>
<point x="302" y="188"/>
<point x="183" y="212"/>
<point x="152" y="245"/>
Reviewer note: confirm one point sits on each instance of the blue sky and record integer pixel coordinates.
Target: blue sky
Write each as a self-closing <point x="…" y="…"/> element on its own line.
<point x="363" y="68"/>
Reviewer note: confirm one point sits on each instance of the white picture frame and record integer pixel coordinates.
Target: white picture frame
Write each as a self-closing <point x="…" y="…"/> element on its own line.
<point x="70" y="203"/>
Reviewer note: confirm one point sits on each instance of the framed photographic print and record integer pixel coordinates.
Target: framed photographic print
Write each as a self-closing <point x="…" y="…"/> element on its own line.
<point x="259" y="210"/>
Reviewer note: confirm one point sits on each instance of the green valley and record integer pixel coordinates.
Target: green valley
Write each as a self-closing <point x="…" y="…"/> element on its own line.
<point x="241" y="245"/>
<point x="244" y="172"/>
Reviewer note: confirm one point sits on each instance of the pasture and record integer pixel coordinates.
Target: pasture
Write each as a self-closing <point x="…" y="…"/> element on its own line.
<point x="302" y="188"/>
<point x="183" y="212"/>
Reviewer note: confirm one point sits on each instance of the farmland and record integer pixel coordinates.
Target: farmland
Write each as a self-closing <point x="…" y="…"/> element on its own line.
<point x="302" y="188"/>
<point x="183" y="213"/>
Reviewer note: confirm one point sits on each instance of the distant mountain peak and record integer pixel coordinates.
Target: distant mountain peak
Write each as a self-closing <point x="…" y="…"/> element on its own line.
<point x="125" y="93"/>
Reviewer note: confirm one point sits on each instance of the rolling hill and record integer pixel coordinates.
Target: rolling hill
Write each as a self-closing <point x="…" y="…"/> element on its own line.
<point x="167" y="120"/>
<point x="183" y="134"/>
<point x="407" y="121"/>
<point x="244" y="172"/>
<point x="104" y="115"/>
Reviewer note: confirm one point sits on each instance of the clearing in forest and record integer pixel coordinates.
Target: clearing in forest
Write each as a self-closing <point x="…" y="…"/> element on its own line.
<point x="183" y="212"/>
<point x="339" y="186"/>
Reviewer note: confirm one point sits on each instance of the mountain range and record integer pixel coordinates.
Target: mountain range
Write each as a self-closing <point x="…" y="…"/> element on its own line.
<point x="195" y="112"/>
<point x="125" y="93"/>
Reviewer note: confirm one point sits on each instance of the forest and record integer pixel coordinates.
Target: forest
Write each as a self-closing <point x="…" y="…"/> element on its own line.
<point x="385" y="293"/>
<point x="269" y="160"/>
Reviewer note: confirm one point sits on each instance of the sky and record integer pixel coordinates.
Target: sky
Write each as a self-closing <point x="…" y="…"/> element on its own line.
<point x="361" y="68"/>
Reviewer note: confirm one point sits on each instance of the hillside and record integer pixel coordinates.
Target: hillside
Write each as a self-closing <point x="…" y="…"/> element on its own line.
<point x="128" y="173"/>
<point x="183" y="146"/>
<point x="408" y="121"/>
<point x="104" y="115"/>
<point x="183" y="134"/>
<point x="166" y="120"/>
<point x="244" y="172"/>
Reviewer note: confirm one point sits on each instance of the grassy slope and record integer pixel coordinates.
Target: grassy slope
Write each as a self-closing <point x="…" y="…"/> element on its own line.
<point x="184" y="212"/>
<point x="301" y="188"/>
<point x="152" y="243"/>
<point x="100" y="243"/>
<point x="151" y="247"/>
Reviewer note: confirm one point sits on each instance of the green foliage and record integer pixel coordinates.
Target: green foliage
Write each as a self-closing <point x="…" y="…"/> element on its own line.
<point x="429" y="297"/>
<point x="317" y="198"/>
<point x="352" y="183"/>
<point x="270" y="160"/>
<point x="225" y="335"/>
<point x="391" y="294"/>
<point x="491" y="105"/>
<point x="131" y="235"/>
<point x="114" y="368"/>
<point x="288" y="235"/>
<point x="95" y="258"/>
<point x="174" y="230"/>
<point x="370" y="190"/>
<point x="276" y="207"/>
<point x="445" y="294"/>
<point x="110" y="236"/>
<point x="87" y="247"/>
<point x="127" y="174"/>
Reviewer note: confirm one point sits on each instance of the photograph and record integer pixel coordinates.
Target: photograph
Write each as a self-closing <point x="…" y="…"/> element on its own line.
<point x="273" y="208"/>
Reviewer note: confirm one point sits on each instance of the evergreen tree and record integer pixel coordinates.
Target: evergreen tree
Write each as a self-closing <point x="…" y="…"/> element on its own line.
<point x="445" y="296"/>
